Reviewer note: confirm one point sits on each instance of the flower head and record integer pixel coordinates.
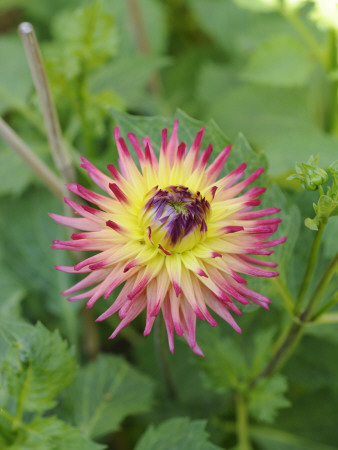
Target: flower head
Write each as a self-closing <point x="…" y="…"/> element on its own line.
<point x="177" y="237"/>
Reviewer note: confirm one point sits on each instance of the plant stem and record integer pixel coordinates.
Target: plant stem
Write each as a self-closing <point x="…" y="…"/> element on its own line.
<point x="282" y="354"/>
<point x="59" y="152"/>
<point x="142" y="40"/>
<point x="310" y="267"/>
<point x="322" y="285"/>
<point x="162" y="356"/>
<point x="332" y="98"/>
<point x="242" y="422"/>
<point x="43" y="172"/>
<point x="140" y="32"/>
<point x="289" y="343"/>
<point x="321" y="312"/>
<point x="288" y="300"/>
<point x="328" y="318"/>
<point x="22" y="397"/>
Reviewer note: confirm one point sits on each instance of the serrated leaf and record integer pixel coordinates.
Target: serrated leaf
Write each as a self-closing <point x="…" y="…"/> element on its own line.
<point x="104" y="393"/>
<point x="188" y="128"/>
<point x="87" y="36"/>
<point x="243" y="152"/>
<point x="282" y="61"/>
<point x="176" y="434"/>
<point x="290" y="226"/>
<point x="11" y="331"/>
<point x="225" y="365"/>
<point x="263" y="341"/>
<point x="50" y="433"/>
<point x="267" y="398"/>
<point x="36" y="368"/>
<point x="25" y="245"/>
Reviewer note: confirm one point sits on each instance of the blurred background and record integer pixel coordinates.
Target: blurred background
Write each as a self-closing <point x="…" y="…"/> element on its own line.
<point x="264" y="68"/>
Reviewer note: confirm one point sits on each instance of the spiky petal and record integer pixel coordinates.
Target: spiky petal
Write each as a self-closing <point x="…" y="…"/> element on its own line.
<point x="178" y="239"/>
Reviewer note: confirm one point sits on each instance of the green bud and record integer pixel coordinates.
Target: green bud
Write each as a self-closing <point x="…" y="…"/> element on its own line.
<point x="310" y="174"/>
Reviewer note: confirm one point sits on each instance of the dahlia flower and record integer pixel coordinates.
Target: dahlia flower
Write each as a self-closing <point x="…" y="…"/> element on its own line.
<point x="177" y="237"/>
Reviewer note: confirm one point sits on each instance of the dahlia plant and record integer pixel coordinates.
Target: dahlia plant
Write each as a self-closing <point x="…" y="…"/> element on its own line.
<point x="178" y="236"/>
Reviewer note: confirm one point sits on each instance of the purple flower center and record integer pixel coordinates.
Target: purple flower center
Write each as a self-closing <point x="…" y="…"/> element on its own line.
<point x="175" y="213"/>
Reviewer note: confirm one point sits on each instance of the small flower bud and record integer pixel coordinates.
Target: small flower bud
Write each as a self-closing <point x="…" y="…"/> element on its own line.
<point x="310" y="175"/>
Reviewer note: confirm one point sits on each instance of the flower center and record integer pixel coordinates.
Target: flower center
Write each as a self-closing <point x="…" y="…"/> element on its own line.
<point x="175" y="218"/>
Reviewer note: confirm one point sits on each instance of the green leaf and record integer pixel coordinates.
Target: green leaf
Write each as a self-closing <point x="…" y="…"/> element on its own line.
<point x="155" y="25"/>
<point x="275" y="121"/>
<point x="36" y="368"/>
<point x="176" y="434"/>
<point x="86" y="38"/>
<point x="188" y="128"/>
<point x="128" y="77"/>
<point x="327" y="207"/>
<point x="290" y="227"/>
<point x="276" y="439"/>
<point x="51" y="434"/>
<point x="282" y="61"/>
<point x="236" y="29"/>
<point x="11" y="331"/>
<point x="225" y="365"/>
<point x="25" y="247"/>
<point x="104" y="393"/>
<point x="330" y="239"/>
<point x="267" y="398"/>
<point x="243" y="152"/>
<point x="263" y="342"/>
<point x="11" y="293"/>
<point x="258" y="5"/>
<point x="40" y="11"/>
<point x="15" y="79"/>
<point x="11" y="163"/>
<point x="289" y="263"/>
<point x="312" y="224"/>
<point x="311" y="375"/>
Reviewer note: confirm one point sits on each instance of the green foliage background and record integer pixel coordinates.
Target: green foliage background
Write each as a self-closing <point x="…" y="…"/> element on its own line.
<point x="259" y="74"/>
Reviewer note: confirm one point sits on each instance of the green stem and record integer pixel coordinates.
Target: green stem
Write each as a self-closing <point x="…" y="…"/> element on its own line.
<point x="22" y="397"/>
<point x="319" y="291"/>
<point x="242" y="428"/>
<point x="162" y="356"/>
<point x="310" y="267"/>
<point x="284" y="291"/>
<point x="16" y="424"/>
<point x="323" y="309"/>
<point x="332" y="98"/>
<point x="291" y="339"/>
<point x="282" y="354"/>
<point x="328" y="318"/>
